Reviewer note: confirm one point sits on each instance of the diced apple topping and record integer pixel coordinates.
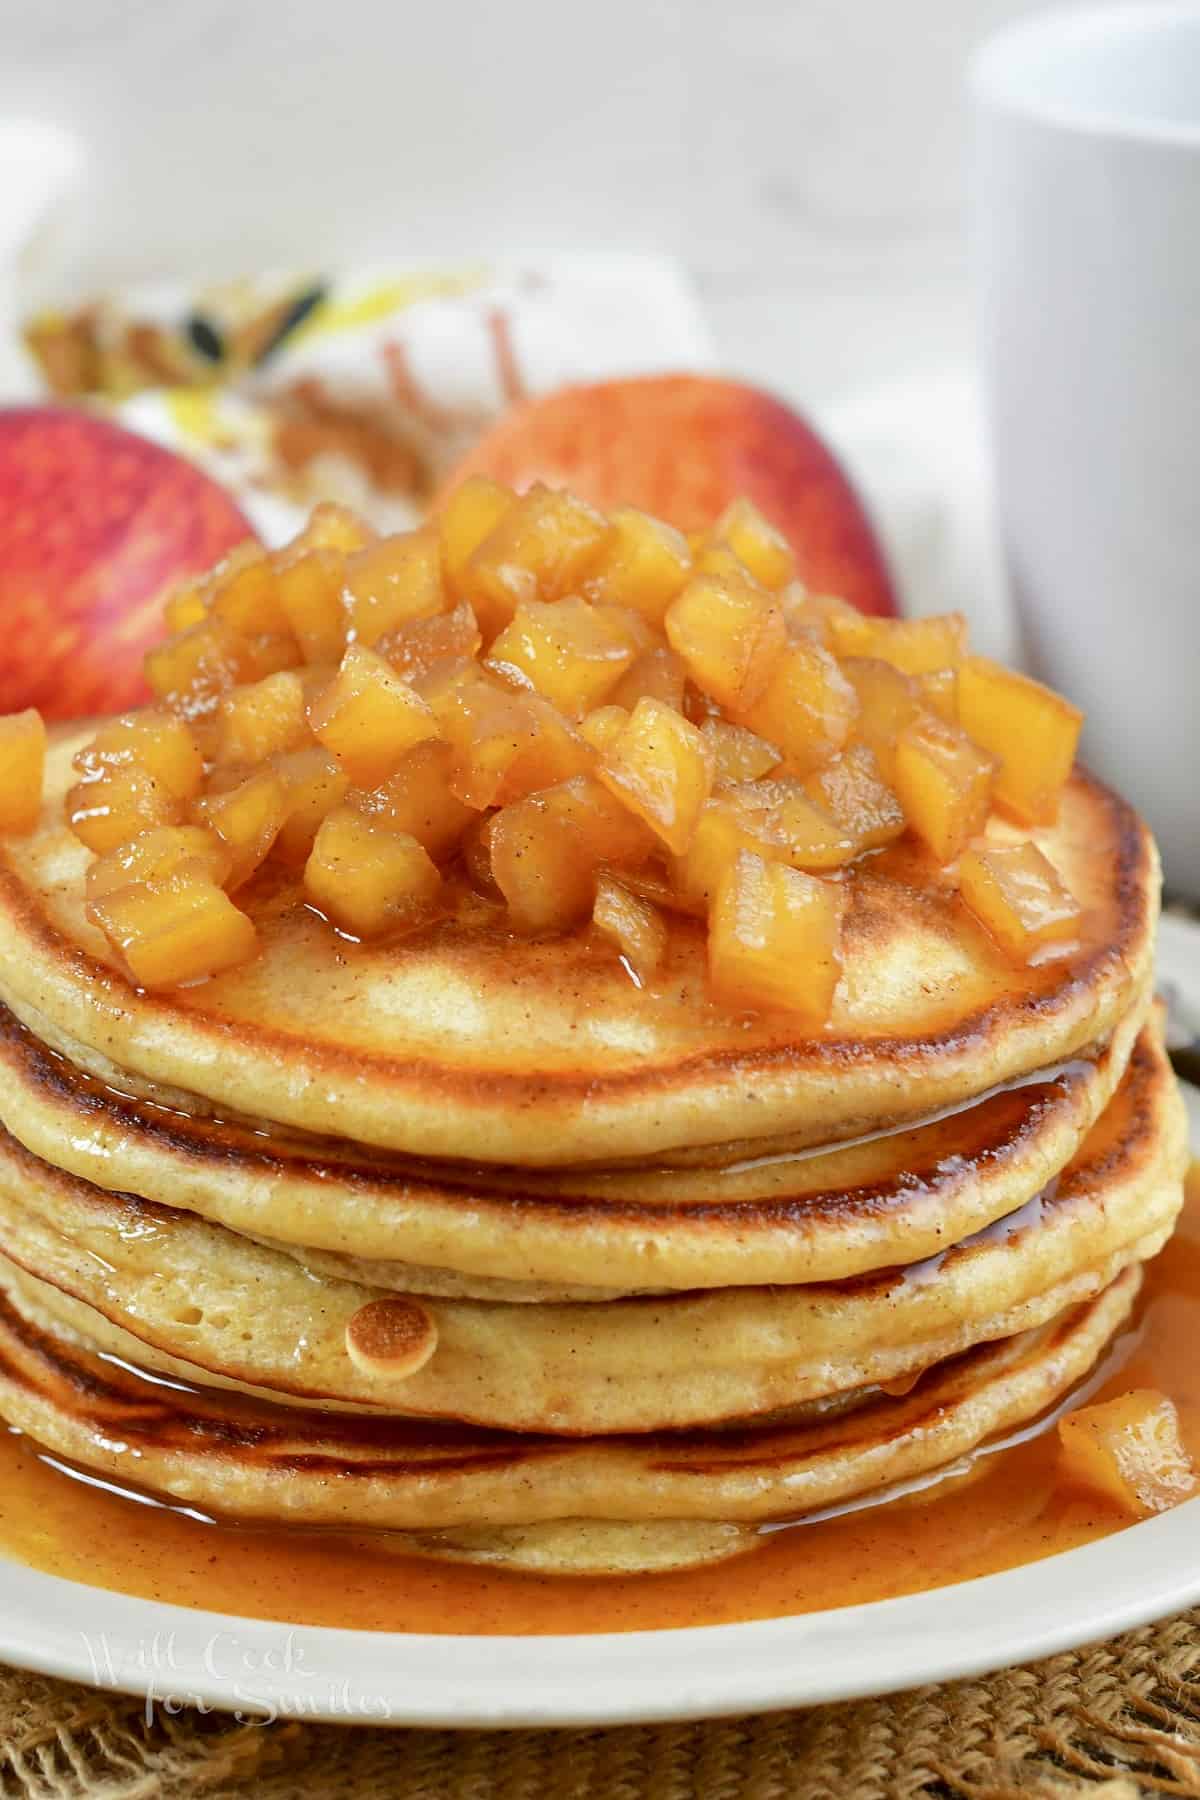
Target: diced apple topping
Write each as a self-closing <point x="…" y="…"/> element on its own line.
<point x="738" y="755"/>
<point x="1015" y="890"/>
<point x="914" y="646"/>
<point x="755" y="542"/>
<point x="1129" y="1450"/>
<point x="852" y="791"/>
<point x="808" y="707"/>
<point x="661" y="768"/>
<point x="247" y="819"/>
<point x="541" y="547"/>
<point x="591" y="723"/>
<point x="22" y="769"/>
<point x="643" y="565"/>
<point x="729" y="633"/>
<point x="773" y="939"/>
<point x="313" y="784"/>
<point x="392" y="582"/>
<point x="471" y="514"/>
<point x="366" y="878"/>
<point x="419" y="800"/>
<point x="310" y="596"/>
<point x="633" y="924"/>
<point x="1031" y="731"/>
<point x="176" y="929"/>
<point x="573" y="653"/>
<point x="107" y="809"/>
<point x="262" y="720"/>
<point x="369" y="716"/>
<point x="545" y="851"/>
<point x="152" y="855"/>
<point x="944" y="785"/>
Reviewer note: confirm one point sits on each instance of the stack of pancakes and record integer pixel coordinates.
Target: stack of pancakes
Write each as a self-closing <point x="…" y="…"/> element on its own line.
<point x="472" y="1240"/>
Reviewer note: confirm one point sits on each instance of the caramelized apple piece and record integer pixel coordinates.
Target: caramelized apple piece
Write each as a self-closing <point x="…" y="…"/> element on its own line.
<point x="852" y="791"/>
<point x="601" y="727"/>
<point x="1016" y="892"/>
<point x="313" y="784"/>
<point x="391" y="583"/>
<point x="807" y="708"/>
<point x="366" y="878"/>
<point x="1031" y="731"/>
<point x="573" y="653"/>
<point x="184" y="608"/>
<point x="262" y="720"/>
<point x="310" y="596"/>
<point x="944" y="784"/>
<point x="155" y="740"/>
<point x="773" y="939"/>
<point x="631" y="923"/>
<point x="811" y="618"/>
<point x="914" y="646"/>
<point x="545" y="851"/>
<point x="1131" y="1451"/>
<point x="106" y="810"/>
<point x="643" y="565"/>
<point x="423" y="645"/>
<point x="938" y="691"/>
<point x="722" y="830"/>
<point x="487" y="726"/>
<point x="248" y="600"/>
<point x="189" y="673"/>
<point x="554" y="754"/>
<point x="540" y="549"/>
<point x="419" y="801"/>
<point x="22" y="770"/>
<point x="333" y="527"/>
<point x="738" y="754"/>
<point x="888" y="702"/>
<point x="804" y="833"/>
<point x="661" y="768"/>
<point x="729" y="633"/>
<point x="471" y="514"/>
<point x="247" y="819"/>
<point x="176" y="929"/>
<point x="369" y="716"/>
<point x="657" y="672"/>
<point x="756" y="543"/>
<point x="151" y="855"/>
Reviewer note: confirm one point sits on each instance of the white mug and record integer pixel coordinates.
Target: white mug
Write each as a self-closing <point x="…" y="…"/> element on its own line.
<point x="1086" y="201"/>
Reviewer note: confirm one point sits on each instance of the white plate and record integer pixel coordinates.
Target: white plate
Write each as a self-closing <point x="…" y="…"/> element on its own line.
<point x="176" y="1656"/>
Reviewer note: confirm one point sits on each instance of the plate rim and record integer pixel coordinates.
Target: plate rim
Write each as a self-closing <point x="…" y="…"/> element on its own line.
<point x="174" y="1655"/>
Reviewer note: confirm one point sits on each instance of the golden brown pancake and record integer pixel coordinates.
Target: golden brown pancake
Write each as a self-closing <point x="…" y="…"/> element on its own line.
<point x="460" y="1040"/>
<point x="192" y="1300"/>
<point x="236" y="1456"/>
<point x="380" y="1221"/>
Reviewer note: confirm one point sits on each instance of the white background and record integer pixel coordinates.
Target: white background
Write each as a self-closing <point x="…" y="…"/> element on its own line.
<point x="803" y="160"/>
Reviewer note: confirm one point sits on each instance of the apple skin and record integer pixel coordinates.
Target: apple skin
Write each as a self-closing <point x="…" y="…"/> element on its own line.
<point x="96" y="524"/>
<point x="682" y="447"/>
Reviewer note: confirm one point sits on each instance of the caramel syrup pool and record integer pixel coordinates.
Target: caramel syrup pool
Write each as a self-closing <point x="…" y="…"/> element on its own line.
<point x="1009" y="1506"/>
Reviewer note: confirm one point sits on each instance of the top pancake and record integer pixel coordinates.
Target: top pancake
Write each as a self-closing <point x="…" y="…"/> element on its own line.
<point x="461" y="1040"/>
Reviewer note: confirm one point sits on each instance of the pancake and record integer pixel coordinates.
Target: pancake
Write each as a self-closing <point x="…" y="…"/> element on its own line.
<point x="234" y="1456"/>
<point x="192" y="1300"/>
<point x="461" y="1040"/>
<point x="526" y="1235"/>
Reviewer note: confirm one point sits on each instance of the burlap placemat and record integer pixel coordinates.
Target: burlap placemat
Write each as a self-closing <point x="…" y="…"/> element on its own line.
<point x="1114" y="1722"/>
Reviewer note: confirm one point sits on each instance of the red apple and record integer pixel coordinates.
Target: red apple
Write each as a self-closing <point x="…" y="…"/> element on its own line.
<point x="682" y="447"/>
<point x="96" y="524"/>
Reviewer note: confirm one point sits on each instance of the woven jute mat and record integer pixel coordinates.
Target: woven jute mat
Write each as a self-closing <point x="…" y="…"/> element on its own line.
<point x="1114" y="1722"/>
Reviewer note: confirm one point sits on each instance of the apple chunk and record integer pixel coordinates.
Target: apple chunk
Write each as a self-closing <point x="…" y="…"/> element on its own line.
<point x="1017" y="893"/>
<point x="773" y="939"/>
